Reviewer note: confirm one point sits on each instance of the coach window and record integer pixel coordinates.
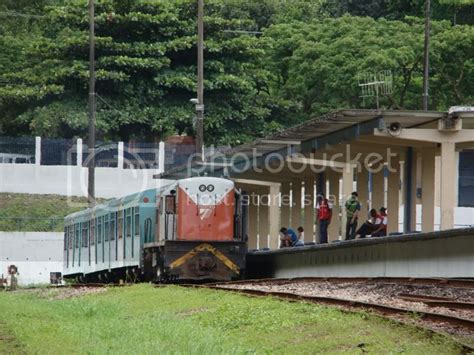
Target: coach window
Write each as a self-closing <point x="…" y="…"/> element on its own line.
<point x="137" y="221"/>
<point x="129" y="222"/>
<point x="120" y="224"/>
<point x="71" y="236"/>
<point x="65" y="238"/>
<point x="93" y="223"/>
<point x="78" y="233"/>
<point x="85" y="227"/>
<point x="112" y="226"/>
<point x="99" y="230"/>
<point x="106" y="228"/>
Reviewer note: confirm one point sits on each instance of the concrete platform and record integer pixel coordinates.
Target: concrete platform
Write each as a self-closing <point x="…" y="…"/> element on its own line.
<point x="447" y="254"/>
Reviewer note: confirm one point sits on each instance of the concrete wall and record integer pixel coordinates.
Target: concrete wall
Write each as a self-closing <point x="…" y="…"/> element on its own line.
<point x="72" y="180"/>
<point x="36" y="254"/>
<point x="447" y="254"/>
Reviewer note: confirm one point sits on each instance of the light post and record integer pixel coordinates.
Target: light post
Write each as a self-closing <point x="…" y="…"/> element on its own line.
<point x="92" y="107"/>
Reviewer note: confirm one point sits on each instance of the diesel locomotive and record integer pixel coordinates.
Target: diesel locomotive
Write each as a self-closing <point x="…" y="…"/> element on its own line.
<point x="188" y="229"/>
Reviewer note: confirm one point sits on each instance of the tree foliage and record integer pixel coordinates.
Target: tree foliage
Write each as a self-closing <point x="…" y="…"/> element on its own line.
<point x="306" y="62"/>
<point x="319" y="64"/>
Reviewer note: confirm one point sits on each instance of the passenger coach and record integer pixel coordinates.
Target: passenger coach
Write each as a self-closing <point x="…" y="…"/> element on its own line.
<point x="190" y="229"/>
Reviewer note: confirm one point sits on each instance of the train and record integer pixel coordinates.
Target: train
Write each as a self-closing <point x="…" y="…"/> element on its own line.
<point x="188" y="229"/>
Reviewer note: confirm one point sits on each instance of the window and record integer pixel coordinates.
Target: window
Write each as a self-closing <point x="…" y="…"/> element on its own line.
<point x="99" y="230"/>
<point x="78" y="233"/>
<point x="112" y="226"/>
<point x="71" y="236"/>
<point x="65" y="238"/>
<point x="85" y="228"/>
<point x="137" y="222"/>
<point x="106" y="228"/>
<point x="92" y="233"/>
<point x="120" y="224"/>
<point x="170" y="204"/>
<point x="466" y="178"/>
<point x="129" y="223"/>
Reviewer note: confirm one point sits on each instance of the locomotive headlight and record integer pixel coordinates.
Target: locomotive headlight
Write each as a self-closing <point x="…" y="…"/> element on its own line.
<point x="202" y="188"/>
<point x="210" y="188"/>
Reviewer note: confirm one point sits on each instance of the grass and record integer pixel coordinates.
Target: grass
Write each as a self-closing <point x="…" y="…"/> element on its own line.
<point x="24" y="212"/>
<point x="146" y="320"/>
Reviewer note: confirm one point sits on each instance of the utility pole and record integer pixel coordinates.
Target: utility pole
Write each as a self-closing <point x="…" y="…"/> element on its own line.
<point x="426" y="61"/>
<point x="200" y="84"/>
<point x="92" y="107"/>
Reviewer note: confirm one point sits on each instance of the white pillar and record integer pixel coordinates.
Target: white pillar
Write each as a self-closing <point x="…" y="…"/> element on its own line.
<point x="393" y="196"/>
<point x="273" y="217"/>
<point x="347" y="187"/>
<point x="309" y="211"/>
<point x="263" y="221"/>
<point x="38" y="151"/>
<point x="120" y="155"/>
<point x="448" y="184"/>
<point x="428" y="189"/>
<point x="79" y="152"/>
<point x="363" y="191"/>
<point x="296" y="204"/>
<point x="335" y="226"/>
<point x="161" y="157"/>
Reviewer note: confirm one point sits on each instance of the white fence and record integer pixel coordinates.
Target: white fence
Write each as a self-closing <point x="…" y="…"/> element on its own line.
<point x="35" y="254"/>
<point x="71" y="180"/>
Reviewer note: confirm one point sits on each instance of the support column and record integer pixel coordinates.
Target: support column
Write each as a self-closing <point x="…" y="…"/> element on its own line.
<point x="378" y="188"/>
<point x="120" y="155"/>
<point x="79" y="152"/>
<point x="363" y="191"/>
<point x="448" y="184"/>
<point x="273" y="217"/>
<point x="38" y="151"/>
<point x="296" y="204"/>
<point x="285" y="201"/>
<point x="393" y="195"/>
<point x="320" y="190"/>
<point x="333" y="196"/>
<point x="347" y="188"/>
<point x="161" y="157"/>
<point x="309" y="211"/>
<point x="409" y="201"/>
<point x="263" y="219"/>
<point x="428" y="189"/>
<point x="253" y="222"/>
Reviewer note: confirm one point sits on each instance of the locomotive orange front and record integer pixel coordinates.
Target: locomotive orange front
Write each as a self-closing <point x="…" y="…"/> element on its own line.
<point x="200" y="231"/>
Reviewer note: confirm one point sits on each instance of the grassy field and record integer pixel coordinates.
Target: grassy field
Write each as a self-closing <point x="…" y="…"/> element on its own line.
<point x="146" y="320"/>
<point x="23" y="212"/>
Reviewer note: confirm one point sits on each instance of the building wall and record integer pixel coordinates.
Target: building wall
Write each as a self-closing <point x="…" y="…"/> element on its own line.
<point x="36" y="254"/>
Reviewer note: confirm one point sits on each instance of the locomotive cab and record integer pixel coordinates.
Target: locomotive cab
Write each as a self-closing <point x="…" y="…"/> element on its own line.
<point x="200" y="231"/>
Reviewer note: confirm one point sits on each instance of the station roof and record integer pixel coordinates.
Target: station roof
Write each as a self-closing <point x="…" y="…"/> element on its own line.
<point x="317" y="133"/>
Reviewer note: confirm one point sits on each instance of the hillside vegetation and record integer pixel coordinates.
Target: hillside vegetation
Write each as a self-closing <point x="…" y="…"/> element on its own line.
<point x="268" y="64"/>
<point x="24" y="212"/>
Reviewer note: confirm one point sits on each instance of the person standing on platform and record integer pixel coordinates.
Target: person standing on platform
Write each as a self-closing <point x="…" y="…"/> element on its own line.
<point x="352" y="213"/>
<point x="323" y="216"/>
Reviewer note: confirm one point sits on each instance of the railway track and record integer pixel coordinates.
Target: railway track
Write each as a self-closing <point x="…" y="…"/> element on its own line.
<point x="442" y="311"/>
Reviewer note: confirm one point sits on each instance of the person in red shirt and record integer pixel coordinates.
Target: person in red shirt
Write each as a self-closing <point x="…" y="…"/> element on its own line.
<point x="323" y="217"/>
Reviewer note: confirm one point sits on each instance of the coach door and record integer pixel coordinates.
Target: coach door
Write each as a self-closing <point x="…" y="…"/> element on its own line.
<point x="170" y="217"/>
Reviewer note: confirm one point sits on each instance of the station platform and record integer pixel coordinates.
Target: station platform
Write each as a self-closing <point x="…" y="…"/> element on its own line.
<point x="446" y="254"/>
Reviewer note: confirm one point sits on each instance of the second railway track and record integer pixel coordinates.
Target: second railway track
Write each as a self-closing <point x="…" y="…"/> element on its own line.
<point x="440" y="305"/>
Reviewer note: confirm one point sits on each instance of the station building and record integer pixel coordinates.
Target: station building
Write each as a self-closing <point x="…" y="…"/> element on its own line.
<point x="417" y="164"/>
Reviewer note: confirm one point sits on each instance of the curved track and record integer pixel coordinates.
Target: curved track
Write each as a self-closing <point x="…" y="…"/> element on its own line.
<point x="454" y="314"/>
